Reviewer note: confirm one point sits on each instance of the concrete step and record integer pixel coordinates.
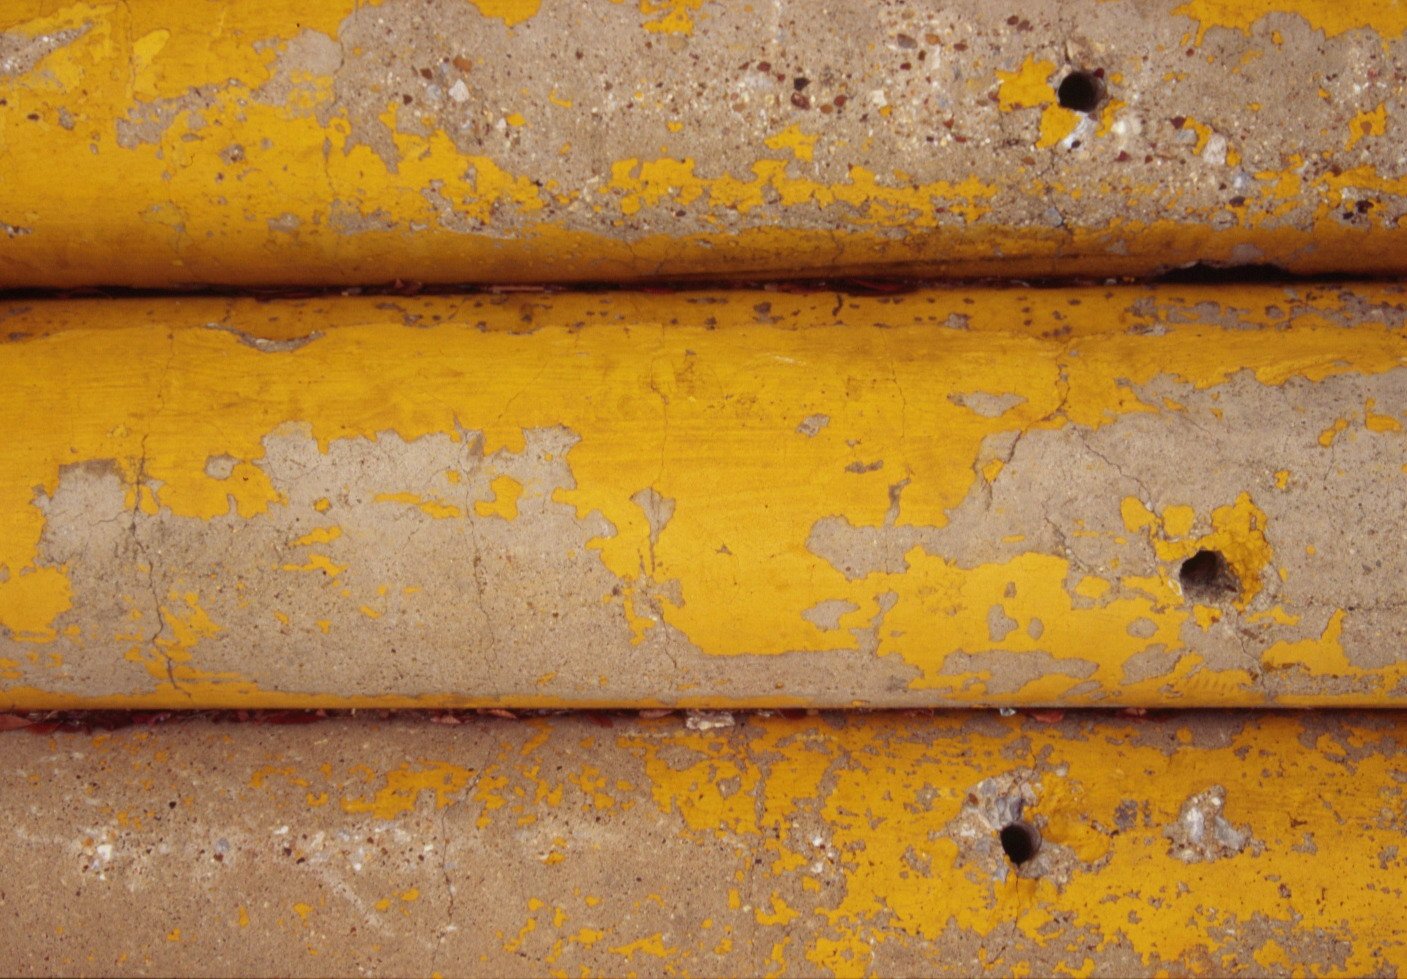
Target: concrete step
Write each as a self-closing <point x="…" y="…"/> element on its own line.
<point x="709" y="844"/>
<point x="151" y="144"/>
<point x="1120" y="496"/>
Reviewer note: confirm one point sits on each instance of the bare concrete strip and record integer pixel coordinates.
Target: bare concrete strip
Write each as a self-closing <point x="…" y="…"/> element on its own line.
<point x="708" y="844"/>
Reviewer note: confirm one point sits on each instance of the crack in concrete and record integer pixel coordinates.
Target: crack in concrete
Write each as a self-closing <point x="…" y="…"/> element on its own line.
<point x="450" y="889"/>
<point x="474" y="444"/>
<point x="139" y="483"/>
<point x="153" y="642"/>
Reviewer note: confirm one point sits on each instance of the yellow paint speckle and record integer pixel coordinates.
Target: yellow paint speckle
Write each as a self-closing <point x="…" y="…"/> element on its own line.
<point x="1375" y="422"/>
<point x="504" y="503"/>
<point x="1369" y="122"/>
<point x="802" y="145"/>
<point x="404" y="786"/>
<point x="1026" y="87"/>
<point x="1327" y="437"/>
<point x="670" y="16"/>
<point x="1177" y="520"/>
<point x="319" y="535"/>
<point x="1057" y="122"/>
<point x="509" y="11"/>
<point x="317" y="562"/>
<point x="431" y="507"/>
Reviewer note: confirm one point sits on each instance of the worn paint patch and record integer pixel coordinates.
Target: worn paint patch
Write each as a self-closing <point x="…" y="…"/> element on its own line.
<point x="1381" y="16"/>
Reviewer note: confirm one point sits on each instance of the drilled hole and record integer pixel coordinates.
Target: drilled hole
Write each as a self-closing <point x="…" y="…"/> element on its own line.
<point x="1206" y="577"/>
<point x="1081" y="91"/>
<point x="1020" y="841"/>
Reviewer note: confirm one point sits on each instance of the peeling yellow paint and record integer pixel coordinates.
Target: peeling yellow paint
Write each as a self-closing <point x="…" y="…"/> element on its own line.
<point x="669" y="16"/>
<point x="403" y="788"/>
<point x="870" y="816"/>
<point x="649" y="182"/>
<point x="1237" y="533"/>
<point x="509" y="11"/>
<point x="747" y="597"/>
<point x="1321" y="657"/>
<point x="1333" y="17"/>
<point x="318" y="562"/>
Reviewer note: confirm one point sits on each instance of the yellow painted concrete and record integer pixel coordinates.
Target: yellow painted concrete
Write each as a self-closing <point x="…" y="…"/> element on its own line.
<point x="705" y="401"/>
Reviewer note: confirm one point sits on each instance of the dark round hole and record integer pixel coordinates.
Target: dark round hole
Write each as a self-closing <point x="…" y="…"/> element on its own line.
<point x="1081" y="91"/>
<point x="1206" y="577"/>
<point x="1020" y="841"/>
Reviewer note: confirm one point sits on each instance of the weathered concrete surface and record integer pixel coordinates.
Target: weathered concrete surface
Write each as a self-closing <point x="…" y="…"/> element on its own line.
<point x="1216" y="844"/>
<point x="151" y="143"/>
<point x="1095" y="496"/>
